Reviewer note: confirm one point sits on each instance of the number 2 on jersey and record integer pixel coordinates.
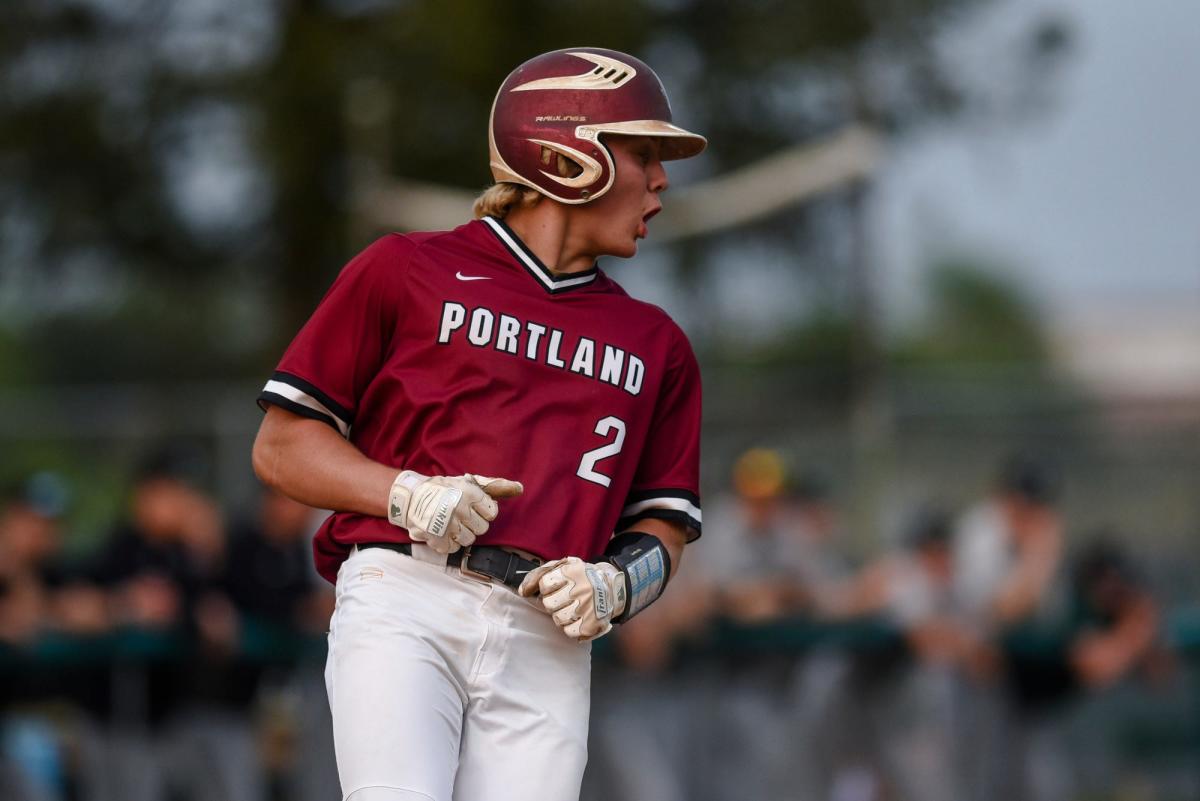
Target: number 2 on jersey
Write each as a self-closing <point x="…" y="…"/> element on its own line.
<point x="587" y="465"/>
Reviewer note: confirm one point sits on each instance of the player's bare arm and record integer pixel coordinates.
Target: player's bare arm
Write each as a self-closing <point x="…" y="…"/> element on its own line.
<point x="672" y="535"/>
<point x="1039" y="555"/>
<point x="311" y="462"/>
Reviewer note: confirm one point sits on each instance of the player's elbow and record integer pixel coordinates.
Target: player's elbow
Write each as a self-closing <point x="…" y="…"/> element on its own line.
<point x="264" y="455"/>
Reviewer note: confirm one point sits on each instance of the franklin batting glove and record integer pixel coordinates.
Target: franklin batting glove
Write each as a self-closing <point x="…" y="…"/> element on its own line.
<point x="581" y="597"/>
<point x="585" y="599"/>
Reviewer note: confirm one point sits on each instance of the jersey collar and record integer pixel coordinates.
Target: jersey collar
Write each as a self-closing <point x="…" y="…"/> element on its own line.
<point x="552" y="283"/>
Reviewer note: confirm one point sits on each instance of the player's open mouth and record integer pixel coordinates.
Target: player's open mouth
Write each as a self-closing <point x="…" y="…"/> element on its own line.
<point x="642" y="229"/>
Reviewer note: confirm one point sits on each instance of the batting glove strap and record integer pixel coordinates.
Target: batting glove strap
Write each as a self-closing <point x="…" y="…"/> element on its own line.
<point x="416" y="501"/>
<point x="645" y="566"/>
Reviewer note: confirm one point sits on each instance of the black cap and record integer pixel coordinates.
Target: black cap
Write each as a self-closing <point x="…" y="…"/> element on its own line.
<point x="1030" y="479"/>
<point x="1102" y="557"/>
<point x="174" y="462"/>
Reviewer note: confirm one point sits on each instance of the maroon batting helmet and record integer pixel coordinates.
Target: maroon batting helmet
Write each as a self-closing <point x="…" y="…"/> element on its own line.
<point x="561" y="102"/>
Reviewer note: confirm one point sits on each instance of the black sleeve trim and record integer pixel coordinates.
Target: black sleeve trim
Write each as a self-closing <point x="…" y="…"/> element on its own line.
<point x="274" y="399"/>
<point x="647" y="494"/>
<point x="326" y="401"/>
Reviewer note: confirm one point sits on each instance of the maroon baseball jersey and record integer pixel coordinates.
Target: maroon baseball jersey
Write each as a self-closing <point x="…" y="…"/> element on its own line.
<point x="460" y="352"/>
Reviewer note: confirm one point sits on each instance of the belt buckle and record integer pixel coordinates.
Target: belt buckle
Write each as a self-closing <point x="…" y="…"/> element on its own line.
<point x="466" y="570"/>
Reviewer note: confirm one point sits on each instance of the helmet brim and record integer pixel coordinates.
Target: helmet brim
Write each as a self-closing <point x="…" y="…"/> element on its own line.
<point x="677" y="143"/>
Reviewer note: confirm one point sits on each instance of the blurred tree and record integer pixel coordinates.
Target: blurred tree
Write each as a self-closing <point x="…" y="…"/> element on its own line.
<point x="184" y="168"/>
<point x="813" y="357"/>
<point x="974" y="320"/>
<point x="975" y="317"/>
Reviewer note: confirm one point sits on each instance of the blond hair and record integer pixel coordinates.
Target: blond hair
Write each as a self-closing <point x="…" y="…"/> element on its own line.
<point x="501" y="198"/>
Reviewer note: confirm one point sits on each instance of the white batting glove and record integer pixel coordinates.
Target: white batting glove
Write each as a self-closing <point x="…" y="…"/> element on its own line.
<point x="447" y="512"/>
<point x="581" y="597"/>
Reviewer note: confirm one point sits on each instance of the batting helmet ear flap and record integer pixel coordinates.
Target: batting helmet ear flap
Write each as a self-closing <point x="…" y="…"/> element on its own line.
<point x="589" y="168"/>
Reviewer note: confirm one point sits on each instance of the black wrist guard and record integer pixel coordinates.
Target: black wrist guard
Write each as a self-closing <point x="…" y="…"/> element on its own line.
<point x="644" y="562"/>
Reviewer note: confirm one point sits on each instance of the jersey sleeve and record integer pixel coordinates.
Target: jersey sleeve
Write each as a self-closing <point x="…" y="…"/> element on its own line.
<point x="329" y="364"/>
<point x="667" y="482"/>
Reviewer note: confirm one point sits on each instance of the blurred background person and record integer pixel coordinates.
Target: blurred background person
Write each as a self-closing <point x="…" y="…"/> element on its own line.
<point x="754" y="572"/>
<point x="653" y="685"/>
<point x="282" y="607"/>
<point x="1107" y="629"/>
<point x="1008" y="548"/>
<point x="269" y="574"/>
<point x="161" y="568"/>
<point x="887" y="725"/>
<point x="30" y="558"/>
<point x="33" y="759"/>
<point x="1007" y="554"/>
<point x="47" y="602"/>
<point x="1116" y="620"/>
<point x="756" y="567"/>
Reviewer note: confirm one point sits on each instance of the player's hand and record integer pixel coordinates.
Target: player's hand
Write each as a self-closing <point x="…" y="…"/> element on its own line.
<point x="581" y="597"/>
<point x="447" y="512"/>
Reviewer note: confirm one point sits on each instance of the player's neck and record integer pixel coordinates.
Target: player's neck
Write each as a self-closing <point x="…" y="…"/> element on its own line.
<point x="545" y="229"/>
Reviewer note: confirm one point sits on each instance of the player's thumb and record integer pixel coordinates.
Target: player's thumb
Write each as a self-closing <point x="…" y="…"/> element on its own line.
<point x="499" y="487"/>
<point x="530" y="585"/>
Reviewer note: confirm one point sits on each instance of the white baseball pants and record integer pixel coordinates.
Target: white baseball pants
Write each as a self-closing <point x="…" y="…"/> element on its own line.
<point x="445" y="688"/>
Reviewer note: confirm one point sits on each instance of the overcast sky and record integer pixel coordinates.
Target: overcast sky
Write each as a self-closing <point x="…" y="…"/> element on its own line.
<point x="1097" y="203"/>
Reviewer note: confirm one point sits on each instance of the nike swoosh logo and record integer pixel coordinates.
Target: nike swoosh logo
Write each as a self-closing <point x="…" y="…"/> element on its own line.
<point x="462" y="277"/>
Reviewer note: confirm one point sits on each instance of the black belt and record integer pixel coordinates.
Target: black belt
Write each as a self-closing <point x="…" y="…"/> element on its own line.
<point x="485" y="562"/>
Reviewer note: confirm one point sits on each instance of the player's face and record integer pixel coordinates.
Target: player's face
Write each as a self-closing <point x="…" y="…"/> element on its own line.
<point x="615" y="222"/>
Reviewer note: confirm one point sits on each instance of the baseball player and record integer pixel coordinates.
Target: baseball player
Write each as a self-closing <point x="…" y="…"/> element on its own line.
<point x="509" y="443"/>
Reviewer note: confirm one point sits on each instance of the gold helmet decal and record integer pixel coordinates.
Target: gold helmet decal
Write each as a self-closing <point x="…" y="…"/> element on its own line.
<point x="609" y="73"/>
